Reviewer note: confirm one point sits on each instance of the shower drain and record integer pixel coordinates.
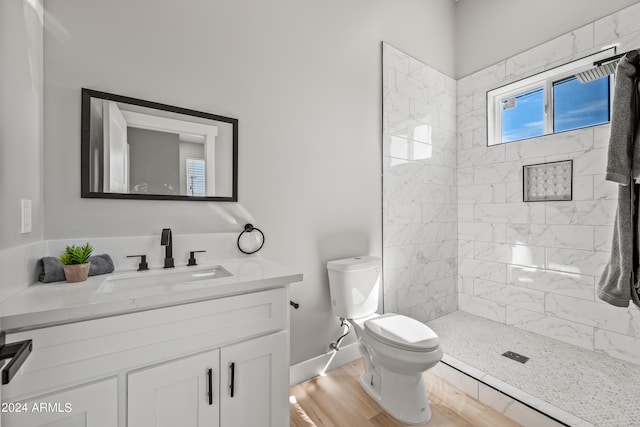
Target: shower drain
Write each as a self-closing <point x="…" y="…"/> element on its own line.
<point x="515" y="356"/>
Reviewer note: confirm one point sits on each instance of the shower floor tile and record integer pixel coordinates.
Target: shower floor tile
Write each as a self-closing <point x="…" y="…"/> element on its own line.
<point x="594" y="387"/>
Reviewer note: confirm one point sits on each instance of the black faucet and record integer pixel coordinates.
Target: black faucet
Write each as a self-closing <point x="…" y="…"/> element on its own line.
<point x="165" y="240"/>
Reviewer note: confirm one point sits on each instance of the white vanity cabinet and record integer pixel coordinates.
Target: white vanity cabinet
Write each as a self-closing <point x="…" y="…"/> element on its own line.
<point x="239" y="385"/>
<point x="158" y="367"/>
<point x="175" y="393"/>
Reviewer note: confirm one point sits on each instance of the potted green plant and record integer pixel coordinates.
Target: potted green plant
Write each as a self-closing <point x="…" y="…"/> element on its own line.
<point x="76" y="262"/>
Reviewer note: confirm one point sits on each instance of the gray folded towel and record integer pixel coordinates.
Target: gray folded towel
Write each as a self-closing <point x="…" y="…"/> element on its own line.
<point x="50" y="269"/>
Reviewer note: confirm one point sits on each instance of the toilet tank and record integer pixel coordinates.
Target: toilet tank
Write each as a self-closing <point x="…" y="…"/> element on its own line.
<point x="354" y="284"/>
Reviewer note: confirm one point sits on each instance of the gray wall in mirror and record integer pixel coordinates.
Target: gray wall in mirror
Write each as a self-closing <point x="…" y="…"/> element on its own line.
<point x="133" y="148"/>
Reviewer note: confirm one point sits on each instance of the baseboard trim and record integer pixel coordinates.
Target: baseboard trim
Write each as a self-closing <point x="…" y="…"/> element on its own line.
<point x="312" y="367"/>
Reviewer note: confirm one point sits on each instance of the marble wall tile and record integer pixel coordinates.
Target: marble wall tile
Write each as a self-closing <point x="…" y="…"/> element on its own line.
<point x="396" y="278"/>
<point x="438" y="250"/>
<point x="603" y="189"/>
<point x="419" y="187"/>
<point x="481" y="156"/>
<point x="479" y="136"/>
<point x="433" y="212"/>
<point x="533" y="213"/>
<point x="420" y="294"/>
<point x="601" y="134"/>
<point x="611" y="27"/>
<point x="546" y="54"/>
<point x="431" y="309"/>
<point x="482" y="231"/>
<point x="465" y="103"/>
<point x="560" y="143"/>
<point x="618" y="345"/>
<point x="594" y="212"/>
<point x="556" y="282"/>
<point x="465" y="140"/>
<point x="483" y="79"/>
<point x="427" y="76"/>
<point x="559" y="236"/>
<point x="402" y="125"/>
<point x="514" y="192"/>
<point x="465" y="212"/>
<point x="395" y="58"/>
<point x="400" y="234"/>
<point x="436" y="232"/>
<point x="530" y="256"/>
<point x="498" y="172"/>
<point x="434" y="193"/>
<point x="444" y="138"/>
<point x="603" y="237"/>
<point x="465" y="176"/>
<point x="472" y="120"/>
<point x="486" y="193"/>
<point x="465" y="249"/>
<point x="603" y="316"/>
<point x="591" y="162"/>
<point x="398" y="256"/>
<point x="403" y="213"/>
<point x="395" y="102"/>
<point x="465" y="284"/>
<point x="493" y="271"/>
<point x="509" y="295"/>
<point x="577" y="261"/>
<point x="481" y="307"/>
<point x="583" y="188"/>
<point x="550" y="326"/>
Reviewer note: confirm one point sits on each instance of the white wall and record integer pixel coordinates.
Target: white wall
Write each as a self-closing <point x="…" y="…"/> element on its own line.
<point x="302" y="77"/>
<point x="488" y="31"/>
<point x="535" y="265"/>
<point x="20" y="119"/>
<point x="419" y="205"/>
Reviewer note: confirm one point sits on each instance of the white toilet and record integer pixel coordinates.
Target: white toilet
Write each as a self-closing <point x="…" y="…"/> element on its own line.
<point x="396" y="349"/>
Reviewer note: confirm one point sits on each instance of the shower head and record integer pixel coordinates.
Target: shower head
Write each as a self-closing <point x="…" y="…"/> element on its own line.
<point x="597" y="72"/>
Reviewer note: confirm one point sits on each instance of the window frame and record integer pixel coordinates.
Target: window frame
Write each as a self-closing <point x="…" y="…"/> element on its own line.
<point x="545" y="79"/>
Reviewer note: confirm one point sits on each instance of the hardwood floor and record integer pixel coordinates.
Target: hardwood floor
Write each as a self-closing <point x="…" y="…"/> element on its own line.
<point x="337" y="400"/>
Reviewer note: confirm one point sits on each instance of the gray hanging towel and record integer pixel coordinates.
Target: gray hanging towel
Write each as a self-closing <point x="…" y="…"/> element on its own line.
<point x="618" y="283"/>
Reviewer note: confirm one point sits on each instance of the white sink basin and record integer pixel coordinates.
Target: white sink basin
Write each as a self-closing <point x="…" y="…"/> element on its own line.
<point x="174" y="279"/>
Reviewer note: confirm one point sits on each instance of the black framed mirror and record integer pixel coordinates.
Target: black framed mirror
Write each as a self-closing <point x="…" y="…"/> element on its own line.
<point x="137" y="149"/>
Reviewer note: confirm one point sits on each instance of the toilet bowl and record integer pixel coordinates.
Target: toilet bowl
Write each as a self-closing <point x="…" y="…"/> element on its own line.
<point x="396" y="349"/>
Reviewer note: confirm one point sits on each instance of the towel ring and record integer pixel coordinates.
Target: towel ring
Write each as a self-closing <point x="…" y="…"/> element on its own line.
<point x="248" y="228"/>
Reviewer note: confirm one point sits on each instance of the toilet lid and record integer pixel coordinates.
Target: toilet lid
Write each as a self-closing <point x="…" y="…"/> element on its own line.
<point x="402" y="332"/>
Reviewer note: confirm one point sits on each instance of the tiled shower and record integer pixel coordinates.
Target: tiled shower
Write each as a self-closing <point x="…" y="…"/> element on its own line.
<point x="457" y="233"/>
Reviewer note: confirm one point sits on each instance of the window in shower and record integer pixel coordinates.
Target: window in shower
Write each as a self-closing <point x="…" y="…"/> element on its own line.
<point x="577" y="105"/>
<point x="549" y="102"/>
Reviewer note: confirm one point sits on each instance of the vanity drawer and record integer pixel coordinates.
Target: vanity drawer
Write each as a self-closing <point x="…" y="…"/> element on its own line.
<point x="79" y="352"/>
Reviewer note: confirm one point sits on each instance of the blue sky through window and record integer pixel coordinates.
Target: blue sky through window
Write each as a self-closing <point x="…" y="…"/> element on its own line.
<point x="526" y="118"/>
<point x="580" y="104"/>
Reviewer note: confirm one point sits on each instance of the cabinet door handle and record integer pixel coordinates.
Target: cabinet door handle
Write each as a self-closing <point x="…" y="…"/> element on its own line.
<point x="233" y="378"/>
<point x="210" y="375"/>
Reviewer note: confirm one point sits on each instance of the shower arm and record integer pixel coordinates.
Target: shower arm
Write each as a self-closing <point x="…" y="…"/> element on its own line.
<point x="632" y="56"/>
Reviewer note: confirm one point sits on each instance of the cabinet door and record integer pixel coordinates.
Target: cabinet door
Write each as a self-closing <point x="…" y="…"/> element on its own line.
<point x="254" y="382"/>
<point x="93" y="405"/>
<point x="176" y="393"/>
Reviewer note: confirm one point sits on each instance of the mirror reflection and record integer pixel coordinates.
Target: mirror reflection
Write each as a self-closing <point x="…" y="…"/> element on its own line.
<point x="139" y="149"/>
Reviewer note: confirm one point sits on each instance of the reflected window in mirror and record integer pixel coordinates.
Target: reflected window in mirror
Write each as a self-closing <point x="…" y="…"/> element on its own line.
<point x="138" y="149"/>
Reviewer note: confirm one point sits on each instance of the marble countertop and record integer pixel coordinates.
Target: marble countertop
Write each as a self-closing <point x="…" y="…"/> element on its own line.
<point x="47" y="304"/>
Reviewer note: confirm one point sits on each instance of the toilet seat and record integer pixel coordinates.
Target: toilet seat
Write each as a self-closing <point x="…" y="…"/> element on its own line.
<point x="402" y="332"/>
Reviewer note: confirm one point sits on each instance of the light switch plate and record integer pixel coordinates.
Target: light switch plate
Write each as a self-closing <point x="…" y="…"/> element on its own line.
<point x="25" y="216"/>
